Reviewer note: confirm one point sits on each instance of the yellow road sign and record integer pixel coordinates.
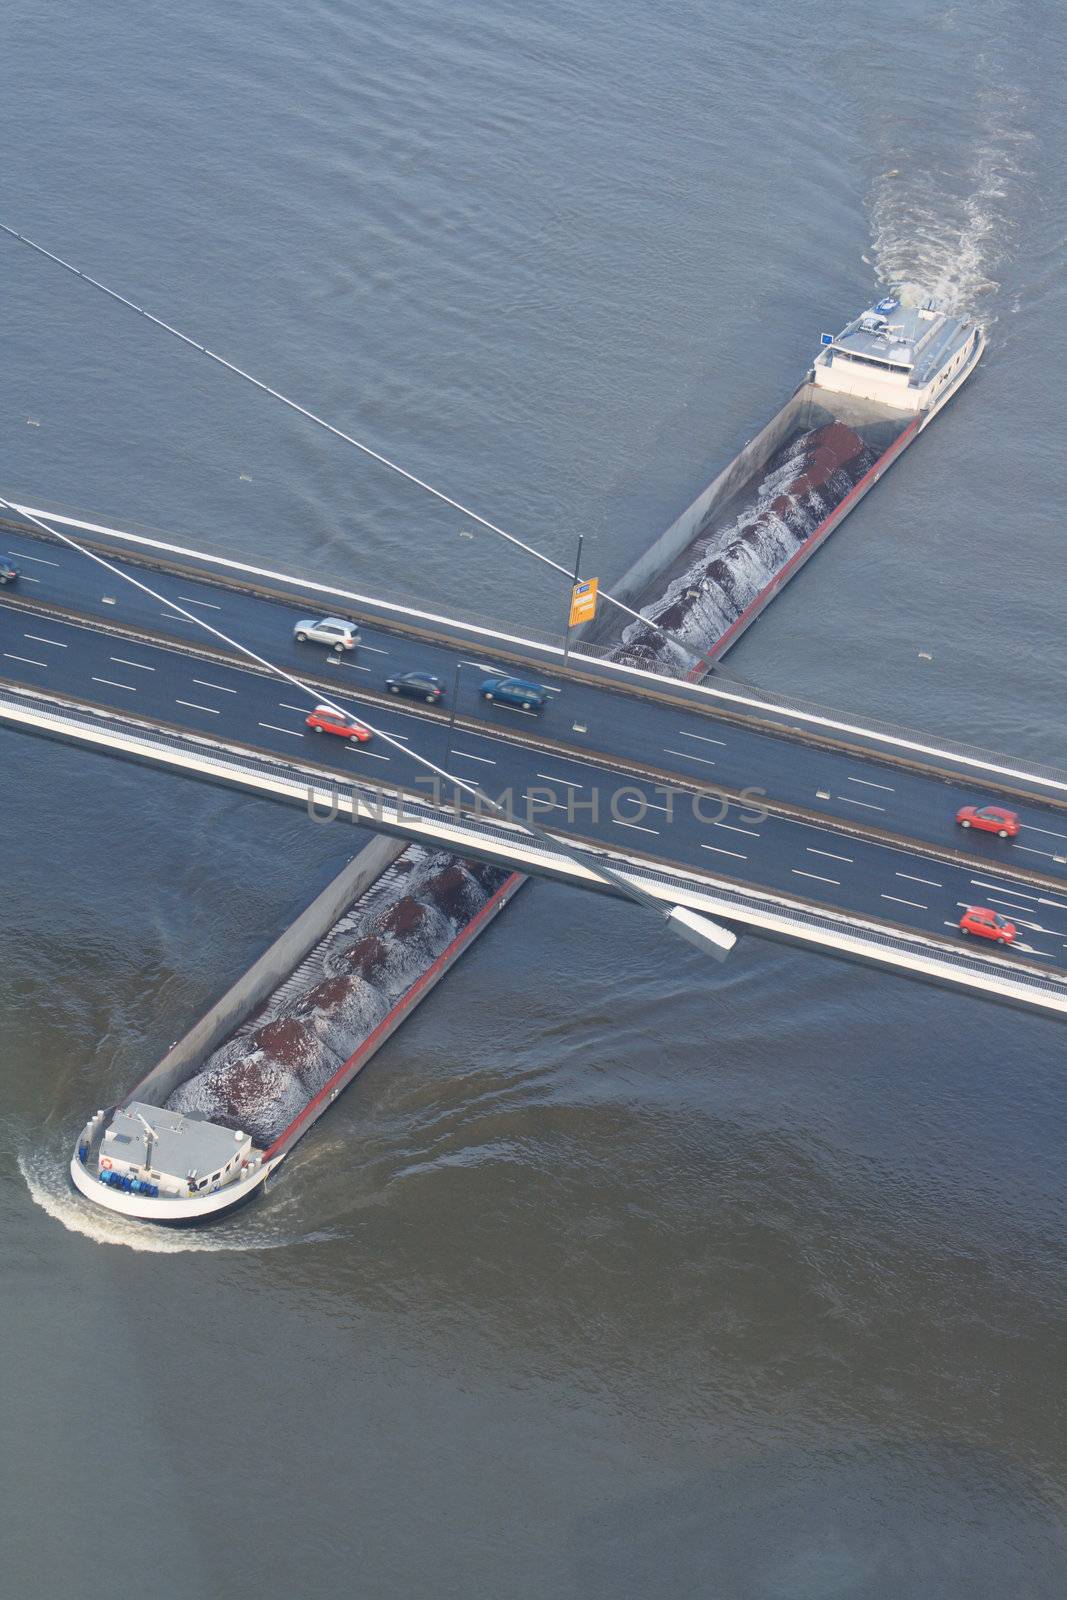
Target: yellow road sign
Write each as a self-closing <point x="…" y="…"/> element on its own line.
<point x="583" y="601"/>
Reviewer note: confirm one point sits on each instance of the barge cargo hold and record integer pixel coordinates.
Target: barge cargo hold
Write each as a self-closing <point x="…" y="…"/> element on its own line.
<point x="872" y="389"/>
<point x="203" y="1131"/>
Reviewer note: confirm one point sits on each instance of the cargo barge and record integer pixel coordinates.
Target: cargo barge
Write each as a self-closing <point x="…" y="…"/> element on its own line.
<point x="207" y="1126"/>
<point x="870" y="392"/>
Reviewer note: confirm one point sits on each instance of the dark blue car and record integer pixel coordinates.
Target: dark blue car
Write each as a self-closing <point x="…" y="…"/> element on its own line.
<point x="514" y="692"/>
<point x="8" y="573"/>
<point x="416" y="686"/>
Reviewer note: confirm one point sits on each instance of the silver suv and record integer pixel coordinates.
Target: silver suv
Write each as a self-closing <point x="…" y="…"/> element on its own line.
<point x="332" y="631"/>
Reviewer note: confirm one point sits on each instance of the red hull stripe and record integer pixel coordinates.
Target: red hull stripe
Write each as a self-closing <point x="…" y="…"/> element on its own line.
<point x="818" y="534"/>
<point x="350" y="1067"/>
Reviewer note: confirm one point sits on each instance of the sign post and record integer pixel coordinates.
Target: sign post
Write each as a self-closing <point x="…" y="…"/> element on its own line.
<point x="581" y="602"/>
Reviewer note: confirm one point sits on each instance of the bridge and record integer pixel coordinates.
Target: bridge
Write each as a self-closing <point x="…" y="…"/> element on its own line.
<point x="783" y="818"/>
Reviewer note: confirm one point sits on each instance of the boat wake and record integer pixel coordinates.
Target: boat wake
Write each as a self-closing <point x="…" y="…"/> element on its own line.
<point x="942" y="221"/>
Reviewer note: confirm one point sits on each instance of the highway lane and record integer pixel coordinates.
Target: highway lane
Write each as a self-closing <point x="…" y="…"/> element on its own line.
<point x="806" y="860"/>
<point x="694" y="744"/>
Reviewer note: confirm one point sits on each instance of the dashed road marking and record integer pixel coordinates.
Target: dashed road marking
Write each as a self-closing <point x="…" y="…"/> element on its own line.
<point x="620" y="824"/>
<point x="29" y="660"/>
<point x="687" y="755"/>
<point x="719" y="851"/>
<point x="113" y="685"/>
<point x="868" y="784"/>
<point x="204" y="684"/>
<point x="122" y="662"/>
<point x="817" y="876"/>
<point x="20" y="555"/>
<point x="702" y="737"/>
<point x="206" y="603"/>
<point x="273" y="726"/>
<point x="468" y="757"/>
<point x="732" y="826"/>
<point x="899" y="902"/>
<point x="39" y="638"/>
<point x="913" y="879"/>
<point x="813" y="852"/>
<point x="194" y="707"/>
<point x="868" y="805"/>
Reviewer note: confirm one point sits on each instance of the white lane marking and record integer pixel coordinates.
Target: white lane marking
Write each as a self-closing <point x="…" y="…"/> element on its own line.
<point x="468" y="757"/>
<point x="798" y="874"/>
<point x="20" y="555"/>
<point x="733" y="828"/>
<point x="361" y="750"/>
<point x="810" y="848"/>
<point x="354" y="665"/>
<point x="913" y="879"/>
<point x="702" y="737"/>
<point x="39" y="638"/>
<point x="620" y="824"/>
<point x="24" y="577"/>
<point x="867" y="784"/>
<point x="899" y="902"/>
<point x="868" y="805"/>
<point x="191" y="602"/>
<point x="173" y="616"/>
<point x="204" y="684"/>
<point x="28" y="659"/>
<point x="518" y="710"/>
<point x="194" y="707"/>
<point x="1055" y="904"/>
<point x="649" y="805"/>
<point x="113" y="685"/>
<point x="549" y="805"/>
<point x="1022" y="911"/>
<point x="719" y="851"/>
<point x="1051" y="831"/>
<point x="273" y="726"/>
<point x="687" y="755"/>
<point x="374" y="649"/>
<point x="1032" y="950"/>
<point x="551" y="778"/>
<point x="1020" y="894"/>
<point x="122" y="662"/>
<point x="303" y="710"/>
<point x="1032" y="852"/>
<point x="480" y="666"/>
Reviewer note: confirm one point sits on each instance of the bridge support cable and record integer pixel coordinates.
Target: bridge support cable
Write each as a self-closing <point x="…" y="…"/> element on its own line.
<point x="719" y="941"/>
<point x="697" y="656"/>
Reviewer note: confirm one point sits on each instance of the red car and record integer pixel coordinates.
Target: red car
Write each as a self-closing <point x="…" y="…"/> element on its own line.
<point x="323" y="720"/>
<point x="987" y="924"/>
<point x="991" y="819"/>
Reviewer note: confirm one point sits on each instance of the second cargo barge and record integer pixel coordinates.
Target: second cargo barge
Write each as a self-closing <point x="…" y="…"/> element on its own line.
<point x="871" y="391"/>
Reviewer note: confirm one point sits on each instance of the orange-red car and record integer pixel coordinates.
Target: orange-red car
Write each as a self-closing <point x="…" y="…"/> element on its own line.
<point x="987" y="924"/>
<point x="323" y="720"/>
<point x="991" y="819"/>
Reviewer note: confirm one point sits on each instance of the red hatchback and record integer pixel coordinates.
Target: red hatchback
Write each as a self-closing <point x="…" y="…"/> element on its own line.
<point x="987" y="924"/>
<point x="323" y="720"/>
<point x="991" y="819"/>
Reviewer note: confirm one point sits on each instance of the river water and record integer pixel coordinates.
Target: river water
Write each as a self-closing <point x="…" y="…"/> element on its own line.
<point x="619" y="1273"/>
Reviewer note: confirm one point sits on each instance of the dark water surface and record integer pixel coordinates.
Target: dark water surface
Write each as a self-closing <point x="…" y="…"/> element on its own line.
<point x="618" y="1273"/>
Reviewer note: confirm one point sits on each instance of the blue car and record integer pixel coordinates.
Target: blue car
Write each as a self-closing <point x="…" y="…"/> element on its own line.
<point x="8" y="573"/>
<point x="514" y="692"/>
